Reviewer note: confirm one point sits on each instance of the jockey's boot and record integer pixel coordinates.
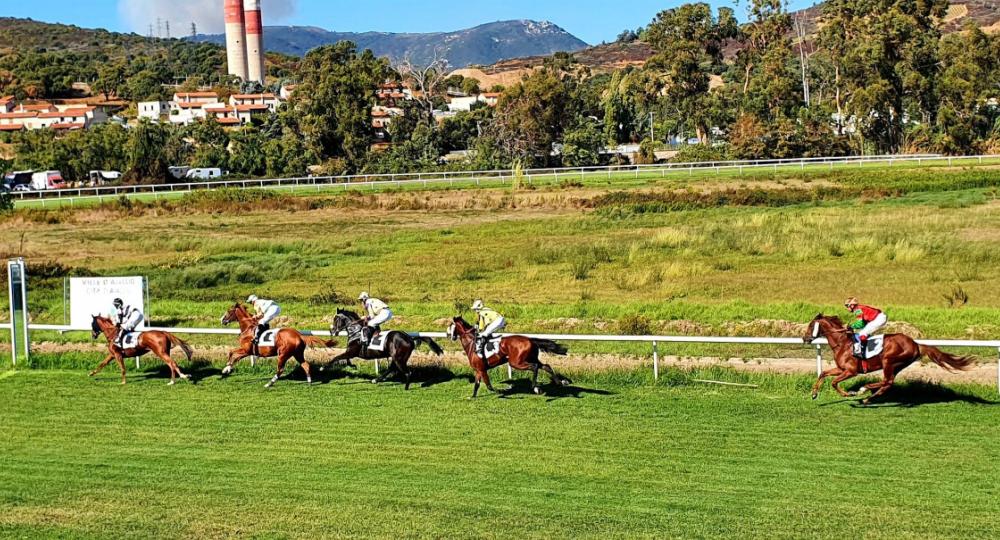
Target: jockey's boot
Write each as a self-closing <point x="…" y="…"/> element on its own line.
<point x="367" y="333"/>
<point x="481" y="347"/>
<point x="859" y="350"/>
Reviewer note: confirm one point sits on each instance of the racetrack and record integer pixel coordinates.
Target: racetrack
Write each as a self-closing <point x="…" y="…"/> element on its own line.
<point x="614" y="457"/>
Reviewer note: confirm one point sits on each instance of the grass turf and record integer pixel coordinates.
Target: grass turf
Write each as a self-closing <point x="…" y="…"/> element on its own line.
<point x="614" y="457"/>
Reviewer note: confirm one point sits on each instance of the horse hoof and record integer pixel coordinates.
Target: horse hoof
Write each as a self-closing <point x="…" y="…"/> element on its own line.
<point x="567" y="382"/>
<point x="815" y="396"/>
<point x="309" y="382"/>
<point x="171" y="383"/>
<point x="374" y="381"/>
<point x="861" y="392"/>
<point x="537" y="390"/>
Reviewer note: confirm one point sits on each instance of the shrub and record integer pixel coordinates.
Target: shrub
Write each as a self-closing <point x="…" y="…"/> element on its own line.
<point x="6" y="203"/>
<point x="635" y="325"/>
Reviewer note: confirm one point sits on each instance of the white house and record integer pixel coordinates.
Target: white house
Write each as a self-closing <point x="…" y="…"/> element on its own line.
<point x="270" y="101"/>
<point x="153" y="110"/>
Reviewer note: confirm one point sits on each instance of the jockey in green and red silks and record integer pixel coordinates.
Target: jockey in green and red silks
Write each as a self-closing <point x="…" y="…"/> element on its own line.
<point x="868" y="320"/>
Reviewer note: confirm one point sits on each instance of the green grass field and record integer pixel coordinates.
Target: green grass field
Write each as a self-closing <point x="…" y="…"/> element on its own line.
<point x="613" y="457"/>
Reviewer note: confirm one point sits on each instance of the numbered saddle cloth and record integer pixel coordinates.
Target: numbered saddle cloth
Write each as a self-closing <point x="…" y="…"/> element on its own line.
<point x="131" y="340"/>
<point x="268" y="338"/>
<point x="379" y="342"/>
<point x="492" y="348"/>
<point x="874" y="347"/>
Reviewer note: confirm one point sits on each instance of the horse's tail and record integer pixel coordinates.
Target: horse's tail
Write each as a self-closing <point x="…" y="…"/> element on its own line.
<point x="313" y="341"/>
<point x="435" y="348"/>
<point x="949" y="362"/>
<point x="178" y="342"/>
<point x="551" y="347"/>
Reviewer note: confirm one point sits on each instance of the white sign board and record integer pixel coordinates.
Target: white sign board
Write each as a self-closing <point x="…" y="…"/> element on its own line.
<point x="96" y="296"/>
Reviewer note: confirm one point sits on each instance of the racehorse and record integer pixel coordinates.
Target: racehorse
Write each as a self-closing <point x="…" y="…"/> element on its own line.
<point x="899" y="351"/>
<point x="521" y="352"/>
<point x="156" y="342"/>
<point x="399" y="346"/>
<point x="288" y="343"/>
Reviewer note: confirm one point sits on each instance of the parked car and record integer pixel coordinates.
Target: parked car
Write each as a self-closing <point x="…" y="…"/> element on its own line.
<point x="179" y="173"/>
<point x="44" y="180"/>
<point x="204" y="174"/>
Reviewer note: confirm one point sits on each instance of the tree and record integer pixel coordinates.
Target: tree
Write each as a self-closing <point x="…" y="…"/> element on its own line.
<point x="110" y="79"/>
<point x="531" y="116"/>
<point x="427" y="79"/>
<point x="145" y="153"/>
<point x="885" y="58"/>
<point x="769" y="87"/>
<point x="966" y="89"/>
<point x="582" y="145"/>
<point x="689" y="41"/>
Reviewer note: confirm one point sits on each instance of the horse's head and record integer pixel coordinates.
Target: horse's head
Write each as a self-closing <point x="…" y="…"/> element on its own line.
<point x="458" y="328"/>
<point x="232" y="315"/>
<point x="96" y="327"/>
<point x="822" y="326"/>
<point x="343" y="320"/>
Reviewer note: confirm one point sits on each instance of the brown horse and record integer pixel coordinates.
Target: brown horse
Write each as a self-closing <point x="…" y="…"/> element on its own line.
<point x="899" y="351"/>
<point x="521" y="352"/>
<point x="288" y="343"/>
<point x="156" y="342"/>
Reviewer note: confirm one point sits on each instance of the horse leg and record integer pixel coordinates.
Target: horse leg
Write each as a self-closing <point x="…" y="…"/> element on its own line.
<point x="175" y="370"/>
<point x="301" y="358"/>
<point x="822" y="378"/>
<point x="475" y="388"/>
<point x="489" y="384"/>
<point x="234" y="357"/>
<point x="557" y="379"/>
<point x="282" y="360"/>
<point x="888" y="380"/>
<point x="841" y="378"/>
<point x="121" y="365"/>
<point x="534" y="379"/>
<point x="103" y="365"/>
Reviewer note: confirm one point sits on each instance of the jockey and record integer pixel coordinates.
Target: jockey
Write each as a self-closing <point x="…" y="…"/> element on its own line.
<point x="127" y="319"/>
<point x="490" y="322"/>
<point x="868" y="321"/>
<point x="266" y="311"/>
<point x="377" y="313"/>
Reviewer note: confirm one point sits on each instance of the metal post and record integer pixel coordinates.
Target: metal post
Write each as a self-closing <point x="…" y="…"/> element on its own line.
<point x="376" y="367"/>
<point x="656" y="362"/>
<point x="24" y="312"/>
<point x="13" y="333"/>
<point x="998" y="369"/>
<point x="819" y="360"/>
<point x="510" y="372"/>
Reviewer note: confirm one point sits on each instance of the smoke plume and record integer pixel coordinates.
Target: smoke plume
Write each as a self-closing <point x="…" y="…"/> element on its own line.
<point x="207" y="14"/>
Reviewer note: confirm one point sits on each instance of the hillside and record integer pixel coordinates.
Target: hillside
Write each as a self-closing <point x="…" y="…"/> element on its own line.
<point x="484" y="44"/>
<point x="611" y="56"/>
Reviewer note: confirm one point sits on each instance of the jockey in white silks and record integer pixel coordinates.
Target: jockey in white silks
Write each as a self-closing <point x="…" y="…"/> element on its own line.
<point x="127" y="319"/>
<point x="266" y="311"/>
<point x="377" y="313"/>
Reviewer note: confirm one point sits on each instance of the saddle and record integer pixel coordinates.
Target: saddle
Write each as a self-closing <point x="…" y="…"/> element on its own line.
<point x="129" y="341"/>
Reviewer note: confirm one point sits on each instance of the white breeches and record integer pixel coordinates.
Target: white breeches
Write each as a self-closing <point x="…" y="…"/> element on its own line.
<point x="493" y="328"/>
<point x="874" y="326"/>
<point x="132" y="321"/>
<point x="269" y="314"/>
<point x="381" y="318"/>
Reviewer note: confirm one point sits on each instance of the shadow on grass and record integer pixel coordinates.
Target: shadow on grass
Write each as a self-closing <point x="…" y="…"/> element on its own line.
<point x="550" y="391"/>
<point x="915" y="394"/>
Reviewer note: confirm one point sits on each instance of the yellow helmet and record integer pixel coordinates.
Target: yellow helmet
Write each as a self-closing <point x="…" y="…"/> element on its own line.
<point x="851" y="302"/>
<point x="478" y="305"/>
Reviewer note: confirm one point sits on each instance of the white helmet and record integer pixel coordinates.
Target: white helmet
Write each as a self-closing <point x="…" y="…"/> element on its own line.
<point x="253" y="298"/>
<point x="364" y="296"/>
<point x="478" y="305"/>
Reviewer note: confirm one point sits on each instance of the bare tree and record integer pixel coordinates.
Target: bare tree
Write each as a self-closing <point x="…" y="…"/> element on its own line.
<point x="426" y="79"/>
<point x="804" y="57"/>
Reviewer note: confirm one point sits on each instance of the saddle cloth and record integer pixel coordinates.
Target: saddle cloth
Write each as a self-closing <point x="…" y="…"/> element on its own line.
<point x="131" y="340"/>
<point x="492" y="347"/>
<point x="874" y="348"/>
<point x="379" y="342"/>
<point x="268" y="338"/>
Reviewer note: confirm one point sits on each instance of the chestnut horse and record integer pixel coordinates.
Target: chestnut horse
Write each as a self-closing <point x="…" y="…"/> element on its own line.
<point x="899" y="351"/>
<point x="288" y="343"/>
<point x="156" y="342"/>
<point x="520" y="351"/>
<point x="399" y="346"/>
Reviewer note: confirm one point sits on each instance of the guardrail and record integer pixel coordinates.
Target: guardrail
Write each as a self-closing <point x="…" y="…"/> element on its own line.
<point x="501" y="176"/>
<point x="654" y="341"/>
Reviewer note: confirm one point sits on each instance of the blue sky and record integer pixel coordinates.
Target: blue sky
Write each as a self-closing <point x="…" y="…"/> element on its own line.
<point x="590" y="20"/>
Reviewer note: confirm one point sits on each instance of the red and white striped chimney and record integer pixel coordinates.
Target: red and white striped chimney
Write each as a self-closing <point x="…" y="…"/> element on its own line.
<point x="236" y="47"/>
<point x="255" y="42"/>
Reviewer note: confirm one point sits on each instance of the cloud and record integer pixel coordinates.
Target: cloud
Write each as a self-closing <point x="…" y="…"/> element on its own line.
<point x="207" y="14"/>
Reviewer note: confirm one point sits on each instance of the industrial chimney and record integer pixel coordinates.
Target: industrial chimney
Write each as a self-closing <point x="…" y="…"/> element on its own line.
<point x="236" y="50"/>
<point x="255" y="42"/>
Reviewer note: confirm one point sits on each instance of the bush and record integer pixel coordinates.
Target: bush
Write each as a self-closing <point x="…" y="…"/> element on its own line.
<point x="635" y="325"/>
<point x="6" y="203"/>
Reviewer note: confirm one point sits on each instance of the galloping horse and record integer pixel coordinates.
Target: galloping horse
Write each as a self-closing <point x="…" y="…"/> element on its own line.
<point x="520" y="351"/>
<point x="899" y="351"/>
<point x="288" y="343"/>
<point x="156" y="342"/>
<point x="399" y="346"/>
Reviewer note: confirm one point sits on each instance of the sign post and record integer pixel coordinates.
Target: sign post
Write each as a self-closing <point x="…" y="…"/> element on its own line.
<point x="17" y="277"/>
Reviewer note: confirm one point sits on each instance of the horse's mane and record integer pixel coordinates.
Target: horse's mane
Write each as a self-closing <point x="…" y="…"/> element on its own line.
<point x="349" y="314"/>
<point x="833" y="319"/>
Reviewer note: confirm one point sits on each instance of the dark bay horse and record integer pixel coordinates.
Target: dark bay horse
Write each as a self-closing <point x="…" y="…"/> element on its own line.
<point x="521" y="352"/>
<point x="288" y="343"/>
<point x="156" y="342"/>
<point x="899" y="351"/>
<point x="399" y="346"/>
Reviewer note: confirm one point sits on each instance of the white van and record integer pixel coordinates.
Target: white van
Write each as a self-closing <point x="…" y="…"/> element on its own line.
<point x="41" y="181"/>
<point x="204" y="174"/>
<point x="98" y="178"/>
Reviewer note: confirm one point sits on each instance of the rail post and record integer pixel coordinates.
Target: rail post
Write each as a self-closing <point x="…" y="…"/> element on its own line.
<point x="510" y="372"/>
<point x="656" y="362"/>
<point x="998" y="369"/>
<point x="819" y="360"/>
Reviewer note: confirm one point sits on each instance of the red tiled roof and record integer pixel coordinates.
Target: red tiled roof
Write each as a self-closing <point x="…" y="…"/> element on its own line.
<point x="19" y="115"/>
<point x="228" y="121"/>
<point x="254" y="96"/>
<point x="68" y="113"/>
<point x="378" y="113"/>
<point x="11" y="127"/>
<point x="187" y="105"/>
<point x="38" y="107"/>
<point x="252" y="108"/>
<point x="189" y="95"/>
<point x="69" y="126"/>
<point x="492" y="94"/>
